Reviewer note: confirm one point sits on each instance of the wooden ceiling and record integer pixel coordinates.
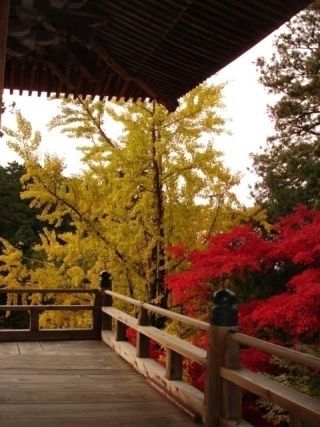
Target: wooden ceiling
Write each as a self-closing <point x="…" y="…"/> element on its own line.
<point x="128" y="48"/>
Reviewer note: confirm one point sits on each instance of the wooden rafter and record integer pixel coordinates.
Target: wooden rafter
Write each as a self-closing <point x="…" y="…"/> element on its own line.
<point x="4" y="15"/>
<point x="82" y="67"/>
<point x="103" y="54"/>
<point x="59" y="74"/>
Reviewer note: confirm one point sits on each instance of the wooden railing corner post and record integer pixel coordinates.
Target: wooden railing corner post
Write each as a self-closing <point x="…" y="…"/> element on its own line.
<point x="101" y="320"/>
<point x="222" y="400"/>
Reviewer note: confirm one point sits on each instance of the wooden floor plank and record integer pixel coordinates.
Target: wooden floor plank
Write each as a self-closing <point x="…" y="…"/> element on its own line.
<point x="29" y="347"/>
<point x="67" y="387"/>
<point x="56" y="377"/>
<point x="34" y="396"/>
<point x="120" y="409"/>
<point x="100" y="422"/>
<point x="73" y="345"/>
<point x="9" y="348"/>
<point x="69" y="384"/>
<point x="63" y="362"/>
<point x="34" y="371"/>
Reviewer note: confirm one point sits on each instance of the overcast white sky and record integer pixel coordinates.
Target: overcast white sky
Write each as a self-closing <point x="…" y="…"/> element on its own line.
<point x="245" y="106"/>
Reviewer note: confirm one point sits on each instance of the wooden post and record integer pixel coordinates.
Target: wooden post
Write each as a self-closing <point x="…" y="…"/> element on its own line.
<point x="97" y="313"/>
<point x="173" y="365"/>
<point x="142" y="340"/>
<point x="105" y="300"/>
<point x="222" y="399"/>
<point x="34" y="320"/>
<point x="120" y="331"/>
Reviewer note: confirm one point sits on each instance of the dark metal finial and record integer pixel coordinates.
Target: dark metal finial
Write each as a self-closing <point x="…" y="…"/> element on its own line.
<point x="224" y="312"/>
<point x="105" y="280"/>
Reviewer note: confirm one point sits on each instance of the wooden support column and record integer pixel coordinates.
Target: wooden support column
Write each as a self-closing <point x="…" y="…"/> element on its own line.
<point x="222" y="399"/>
<point x="4" y="17"/>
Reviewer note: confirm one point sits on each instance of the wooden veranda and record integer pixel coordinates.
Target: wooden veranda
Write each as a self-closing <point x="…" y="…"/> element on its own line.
<point x="77" y="383"/>
<point x="46" y="381"/>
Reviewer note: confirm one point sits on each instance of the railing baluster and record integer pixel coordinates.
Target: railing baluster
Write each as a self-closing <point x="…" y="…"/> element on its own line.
<point x="142" y="340"/>
<point x="120" y="331"/>
<point x="34" y="320"/>
<point x="173" y="365"/>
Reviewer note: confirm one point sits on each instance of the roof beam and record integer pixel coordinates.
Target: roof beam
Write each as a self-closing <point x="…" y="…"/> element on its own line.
<point x="81" y="65"/>
<point x="125" y="75"/>
<point x="4" y="16"/>
<point x="60" y="75"/>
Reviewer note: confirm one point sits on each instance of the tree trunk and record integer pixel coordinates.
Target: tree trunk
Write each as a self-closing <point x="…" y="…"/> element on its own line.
<point x="158" y="292"/>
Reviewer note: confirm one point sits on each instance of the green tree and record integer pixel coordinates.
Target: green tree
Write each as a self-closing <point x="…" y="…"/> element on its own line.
<point x="289" y="166"/>
<point x="158" y="184"/>
<point x="18" y="222"/>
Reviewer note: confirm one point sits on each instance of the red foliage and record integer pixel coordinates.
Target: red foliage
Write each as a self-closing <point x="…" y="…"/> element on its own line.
<point x="306" y="278"/>
<point x="295" y="314"/>
<point x="195" y="374"/>
<point x="233" y="253"/>
<point x="297" y="237"/>
<point x="256" y="360"/>
<point x="252" y="413"/>
<point x="177" y="251"/>
<point x="132" y="336"/>
<point x="291" y="253"/>
<point x="295" y="240"/>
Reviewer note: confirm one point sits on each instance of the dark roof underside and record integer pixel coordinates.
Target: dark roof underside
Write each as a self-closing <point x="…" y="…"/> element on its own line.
<point x="133" y="49"/>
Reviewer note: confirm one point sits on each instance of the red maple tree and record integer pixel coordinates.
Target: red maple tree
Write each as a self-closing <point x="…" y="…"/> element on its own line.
<point x="289" y="255"/>
<point x="275" y="274"/>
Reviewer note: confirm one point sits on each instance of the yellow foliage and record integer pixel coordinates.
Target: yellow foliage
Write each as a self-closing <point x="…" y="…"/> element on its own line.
<point x="161" y="183"/>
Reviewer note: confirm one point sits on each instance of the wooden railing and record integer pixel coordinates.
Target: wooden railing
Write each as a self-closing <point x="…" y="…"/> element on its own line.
<point x="221" y="404"/>
<point x="303" y="410"/>
<point x="35" y="333"/>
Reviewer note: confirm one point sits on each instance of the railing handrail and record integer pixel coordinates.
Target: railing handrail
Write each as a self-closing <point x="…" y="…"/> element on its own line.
<point x="295" y="356"/>
<point x="46" y="307"/>
<point x="162" y="311"/>
<point x="47" y="291"/>
<point x="167" y="340"/>
<point x="300" y="406"/>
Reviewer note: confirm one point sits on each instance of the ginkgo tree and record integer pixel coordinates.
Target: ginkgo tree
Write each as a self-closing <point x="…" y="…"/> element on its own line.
<point x="160" y="183"/>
